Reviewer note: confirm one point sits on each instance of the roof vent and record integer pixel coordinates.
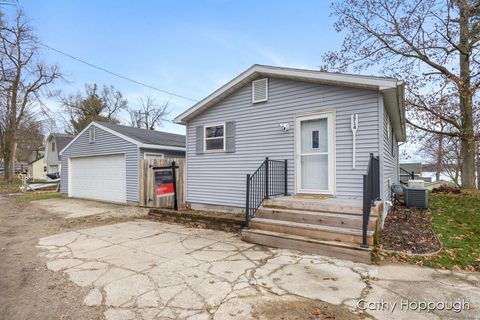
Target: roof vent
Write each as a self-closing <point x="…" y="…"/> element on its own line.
<point x="260" y="90"/>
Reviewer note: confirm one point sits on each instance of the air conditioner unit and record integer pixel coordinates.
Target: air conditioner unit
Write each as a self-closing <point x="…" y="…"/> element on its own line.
<point x="416" y="197"/>
<point x="418" y="184"/>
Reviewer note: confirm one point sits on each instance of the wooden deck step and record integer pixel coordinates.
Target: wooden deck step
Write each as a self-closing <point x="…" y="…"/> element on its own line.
<point x="326" y="205"/>
<point x="314" y="231"/>
<point x="340" y="250"/>
<point x="352" y="221"/>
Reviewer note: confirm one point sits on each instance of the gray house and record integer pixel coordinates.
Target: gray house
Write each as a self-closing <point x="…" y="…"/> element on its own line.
<point x="325" y="125"/>
<point x="102" y="161"/>
<point x="55" y="143"/>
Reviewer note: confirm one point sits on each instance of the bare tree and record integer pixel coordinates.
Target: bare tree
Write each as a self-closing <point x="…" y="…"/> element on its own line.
<point x="434" y="45"/>
<point x="82" y="108"/>
<point x="23" y="76"/>
<point x="148" y="114"/>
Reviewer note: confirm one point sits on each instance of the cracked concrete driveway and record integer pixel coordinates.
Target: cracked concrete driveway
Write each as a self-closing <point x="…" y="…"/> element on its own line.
<point x="71" y="208"/>
<point x="149" y="270"/>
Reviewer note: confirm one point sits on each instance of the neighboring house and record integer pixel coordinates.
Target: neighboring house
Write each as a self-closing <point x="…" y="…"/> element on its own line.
<point x="36" y="154"/>
<point x="55" y="143"/>
<point x="305" y="119"/>
<point x="415" y="168"/>
<point x="102" y="161"/>
<point x="302" y="116"/>
<point x="37" y="169"/>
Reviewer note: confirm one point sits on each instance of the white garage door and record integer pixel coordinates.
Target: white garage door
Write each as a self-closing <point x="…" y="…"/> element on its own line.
<point x="99" y="178"/>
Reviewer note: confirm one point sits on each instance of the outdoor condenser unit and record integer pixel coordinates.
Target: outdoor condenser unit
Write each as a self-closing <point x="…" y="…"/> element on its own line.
<point x="416" y="197"/>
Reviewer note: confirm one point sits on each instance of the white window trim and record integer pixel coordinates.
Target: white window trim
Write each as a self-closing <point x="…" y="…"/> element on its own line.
<point x="91" y="137"/>
<point x="253" y="90"/>
<point x="160" y="155"/>
<point x="205" y="137"/>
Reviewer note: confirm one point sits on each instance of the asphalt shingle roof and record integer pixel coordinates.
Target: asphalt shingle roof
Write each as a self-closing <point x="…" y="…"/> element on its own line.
<point x="148" y="136"/>
<point x="62" y="140"/>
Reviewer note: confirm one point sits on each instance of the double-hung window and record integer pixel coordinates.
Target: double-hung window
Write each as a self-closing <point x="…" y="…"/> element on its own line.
<point x="215" y="138"/>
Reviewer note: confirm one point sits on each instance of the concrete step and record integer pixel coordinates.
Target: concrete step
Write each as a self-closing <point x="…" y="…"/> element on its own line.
<point x="314" y="231"/>
<point x="316" y="217"/>
<point x="325" y="205"/>
<point x="351" y="252"/>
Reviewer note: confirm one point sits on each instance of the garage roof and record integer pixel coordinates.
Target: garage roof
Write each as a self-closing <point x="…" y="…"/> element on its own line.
<point x="148" y="136"/>
<point x="143" y="138"/>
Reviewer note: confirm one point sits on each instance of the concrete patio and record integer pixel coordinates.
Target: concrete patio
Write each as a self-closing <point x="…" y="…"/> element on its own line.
<point x="149" y="270"/>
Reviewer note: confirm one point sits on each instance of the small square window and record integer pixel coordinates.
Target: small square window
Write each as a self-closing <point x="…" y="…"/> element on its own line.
<point x="215" y="138"/>
<point x="315" y="139"/>
<point x="91" y="134"/>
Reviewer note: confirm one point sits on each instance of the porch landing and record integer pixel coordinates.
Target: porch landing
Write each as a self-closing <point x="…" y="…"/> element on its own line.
<point x="316" y="203"/>
<point x="315" y="225"/>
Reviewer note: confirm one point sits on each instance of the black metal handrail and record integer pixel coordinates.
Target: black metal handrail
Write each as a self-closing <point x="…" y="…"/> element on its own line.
<point x="270" y="179"/>
<point x="371" y="193"/>
<point x="411" y="174"/>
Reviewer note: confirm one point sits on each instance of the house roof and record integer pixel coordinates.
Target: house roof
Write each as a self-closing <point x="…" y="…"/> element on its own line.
<point x="148" y="136"/>
<point x="416" y="167"/>
<point x="392" y="89"/>
<point x="32" y="162"/>
<point x="62" y="139"/>
<point x="143" y="138"/>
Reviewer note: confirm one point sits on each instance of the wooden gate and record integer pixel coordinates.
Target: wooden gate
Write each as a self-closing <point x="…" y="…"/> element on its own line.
<point x="148" y="186"/>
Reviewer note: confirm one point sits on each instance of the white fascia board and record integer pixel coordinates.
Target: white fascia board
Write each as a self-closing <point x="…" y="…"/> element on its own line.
<point x="160" y="147"/>
<point x="93" y="123"/>
<point x="216" y="93"/>
<point x="306" y="75"/>
<point x="124" y="137"/>
<point x="75" y="139"/>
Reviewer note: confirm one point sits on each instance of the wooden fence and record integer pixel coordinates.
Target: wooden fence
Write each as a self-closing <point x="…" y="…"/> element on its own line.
<point x="148" y="186"/>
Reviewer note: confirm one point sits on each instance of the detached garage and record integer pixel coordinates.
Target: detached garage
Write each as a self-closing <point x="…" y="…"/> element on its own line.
<point x="102" y="161"/>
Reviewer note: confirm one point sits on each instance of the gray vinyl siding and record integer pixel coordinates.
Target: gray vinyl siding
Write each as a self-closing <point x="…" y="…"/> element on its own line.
<point x="390" y="161"/>
<point x="51" y="157"/>
<point x="166" y="153"/>
<point x="219" y="178"/>
<point x="105" y="143"/>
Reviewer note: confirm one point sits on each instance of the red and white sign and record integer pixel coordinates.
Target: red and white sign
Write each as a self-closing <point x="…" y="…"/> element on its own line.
<point x="164" y="182"/>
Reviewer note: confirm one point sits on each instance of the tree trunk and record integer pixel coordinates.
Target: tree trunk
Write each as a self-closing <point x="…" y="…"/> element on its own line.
<point x="478" y="164"/>
<point x="467" y="146"/>
<point x="13" y="156"/>
<point x="6" y="167"/>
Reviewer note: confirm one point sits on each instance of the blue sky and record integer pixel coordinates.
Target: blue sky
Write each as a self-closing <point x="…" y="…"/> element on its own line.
<point x="187" y="47"/>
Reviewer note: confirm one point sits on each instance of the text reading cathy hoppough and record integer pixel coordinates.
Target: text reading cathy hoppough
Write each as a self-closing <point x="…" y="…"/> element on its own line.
<point x="409" y="305"/>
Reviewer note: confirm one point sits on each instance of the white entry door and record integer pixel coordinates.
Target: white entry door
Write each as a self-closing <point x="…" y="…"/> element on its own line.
<point x="315" y="153"/>
<point x="98" y="178"/>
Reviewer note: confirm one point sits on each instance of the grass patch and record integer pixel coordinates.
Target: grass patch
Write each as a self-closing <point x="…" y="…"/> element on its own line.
<point x="27" y="197"/>
<point x="6" y="187"/>
<point x="456" y="221"/>
<point x="95" y="220"/>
